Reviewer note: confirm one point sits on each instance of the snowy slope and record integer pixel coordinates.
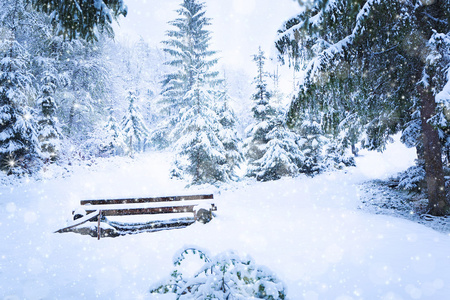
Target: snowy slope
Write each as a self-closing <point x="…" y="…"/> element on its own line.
<point x="309" y="231"/>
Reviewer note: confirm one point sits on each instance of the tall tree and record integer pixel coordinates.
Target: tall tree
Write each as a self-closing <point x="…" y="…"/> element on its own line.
<point x="201" y="155"/>
<point x="190" y="57"/>
<point x="271" y="148"/>
<point x="394" y="54"/>
<point x="82" y="97"/>
<point x="188" y="98"/>
<point x="228" y="134"/>
<point x="18" y="138"/>
<point x="263" y="113"/>
<point x="48" y="125"/>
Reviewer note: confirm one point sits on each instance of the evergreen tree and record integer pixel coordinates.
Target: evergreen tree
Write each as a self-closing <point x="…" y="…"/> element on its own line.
<point x="396" y="53"/>
<point x="311" y="143"/>
<point x="228" y="134"/>
<point x="282" y="156"/>
<point x="82" y="99"/>
<point x="188" y="98"/>
<point x="201" y="156"/>
<point x="263" y="114"/>
<point x="188" y="47"/>
<point x="133" y="125"/>
<point x="48" y="125"/>
<point x="18" y="139"/>
<point x="271" y="148"/>
<point x="115" y="139"/>
<point x="82" y="19"/>
<point x="19" y="150"/>
<point x="105" y="140"/>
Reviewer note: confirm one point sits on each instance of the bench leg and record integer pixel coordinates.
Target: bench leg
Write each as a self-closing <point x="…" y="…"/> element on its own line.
<point x="98" y="225"/>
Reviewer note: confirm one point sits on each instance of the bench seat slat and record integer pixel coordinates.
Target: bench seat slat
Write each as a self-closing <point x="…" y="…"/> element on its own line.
<point x="146" y="200"/>
<point x="147" y="205"/>
<point x="148" y="210"/>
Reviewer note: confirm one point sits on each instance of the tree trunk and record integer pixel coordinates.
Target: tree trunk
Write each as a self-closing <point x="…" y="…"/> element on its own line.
<point x="437" y="203"/>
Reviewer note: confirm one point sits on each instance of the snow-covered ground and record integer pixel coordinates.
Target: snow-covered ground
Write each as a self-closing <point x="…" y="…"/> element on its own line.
<point x="308" y="231"/>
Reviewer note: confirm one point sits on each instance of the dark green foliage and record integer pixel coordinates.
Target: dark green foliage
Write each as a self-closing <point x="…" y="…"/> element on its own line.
<point x="82" y="18"/>
<point x="382" y="61"/>
<point x="413" y="179"/>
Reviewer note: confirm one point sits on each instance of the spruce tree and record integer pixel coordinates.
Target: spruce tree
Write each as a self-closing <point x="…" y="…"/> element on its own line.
<point x="282" y="156"/>
<point x="271" y="148"/>
<point x="19" y="149"/>
<point x="133" y="125"/>
<point x="48" y="125"/>
<point x="228" y="133"/>
<point x="393" y="53"/>
<point x="82" y="19"/>
<point x="263" y="113"/>
<point x="188" y="98"/>
<point x="190" y="57"/>
<point x="115" y="140"/>
<point x="201" y="156"/>
<point x="18" y="138"/>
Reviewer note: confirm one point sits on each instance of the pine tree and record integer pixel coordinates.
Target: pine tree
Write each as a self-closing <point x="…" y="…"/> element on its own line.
<point x="201" y="156"/>
<point x="87" y="85"/>
<point x="396" y="52"/>
<point x="263" y="114"/>
<point x="133" y="125"/>
<point x="82" y="19"/>
<point x="188" y="97"/>
<point x="48" y="125"/>
<point x="19" y="149"/>
<point x="18" y="139"/>
<point x="188" y="48"/>
<point x="272" y="149"/>
<point x="115" y="139"/>
<point x="282" y="155"/>
<point x="228" y="133"/>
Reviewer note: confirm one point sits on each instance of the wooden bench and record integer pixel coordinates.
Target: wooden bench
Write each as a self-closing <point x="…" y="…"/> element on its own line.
<point x="191" y="208"/>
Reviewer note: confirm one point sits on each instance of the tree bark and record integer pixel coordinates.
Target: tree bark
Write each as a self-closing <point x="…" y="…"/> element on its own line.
<point x="438" y="205"/>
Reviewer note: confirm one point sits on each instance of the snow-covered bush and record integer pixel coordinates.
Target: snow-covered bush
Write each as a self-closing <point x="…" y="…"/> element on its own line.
<point x="225" y="276"/>
<point x="413" y="179"/>
<point x="282" y="156"/>
<point x="311" y="145"/>
<point x="337" y="156"/>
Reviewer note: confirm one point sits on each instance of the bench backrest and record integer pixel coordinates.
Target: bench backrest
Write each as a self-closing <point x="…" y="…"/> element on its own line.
<point x="138" y="206"/>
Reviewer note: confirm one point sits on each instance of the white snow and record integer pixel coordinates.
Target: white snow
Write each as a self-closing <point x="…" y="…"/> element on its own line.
<point x="308" y="231"/>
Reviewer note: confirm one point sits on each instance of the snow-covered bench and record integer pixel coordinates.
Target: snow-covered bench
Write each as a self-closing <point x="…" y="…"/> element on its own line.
<point x="125" y="216"/>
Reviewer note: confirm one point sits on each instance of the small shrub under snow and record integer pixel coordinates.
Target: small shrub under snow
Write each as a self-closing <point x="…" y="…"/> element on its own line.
<point x="225" y="276"/>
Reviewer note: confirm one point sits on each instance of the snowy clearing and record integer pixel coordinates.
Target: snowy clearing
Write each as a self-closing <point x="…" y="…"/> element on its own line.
<point x="308" y="231"/>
